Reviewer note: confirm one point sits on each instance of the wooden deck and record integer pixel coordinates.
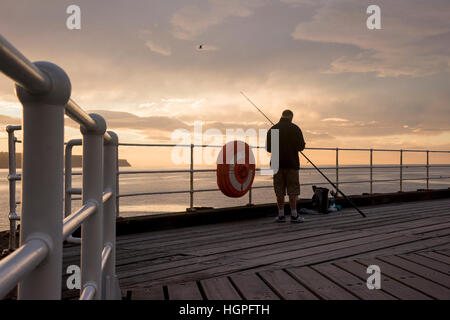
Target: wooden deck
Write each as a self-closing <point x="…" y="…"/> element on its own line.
<point x="324" y="258"/>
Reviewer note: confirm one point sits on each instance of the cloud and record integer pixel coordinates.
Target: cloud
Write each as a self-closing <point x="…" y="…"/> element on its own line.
<point x="397" y="49"/>
<point x="191" y="21"/>
<point x="127" y="120"/>
<point x="6" y="120"/>
<point x="165" y="51"/>
<point x="334" y="120"/>
<point x="315" y="56"/>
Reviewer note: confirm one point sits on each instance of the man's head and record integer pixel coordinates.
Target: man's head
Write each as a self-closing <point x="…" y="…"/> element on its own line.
<point x="288" y="114"/>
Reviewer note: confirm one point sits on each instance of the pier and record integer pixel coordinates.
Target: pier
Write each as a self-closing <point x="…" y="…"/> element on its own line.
<point x="324" y="258"/>
<point x="198" y="254"/>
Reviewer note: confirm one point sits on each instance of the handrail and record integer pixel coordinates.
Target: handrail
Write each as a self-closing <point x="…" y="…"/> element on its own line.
<point x="21" y="70"/>
<point x="88" y="292"/>
<point x="73" y="221"/>
<point x="26" y="74"/>
<point x="301" y="169"/>
<point x="129" y="144"/>
<point x="106" y="252"/>
<point x="123" y="195"/>
<point x="107" y="194"/>
<point x="77" y="114"/>
<point x="337" y="167"/>
<point x="44" y="90"/>
<point x="21" y="262"/>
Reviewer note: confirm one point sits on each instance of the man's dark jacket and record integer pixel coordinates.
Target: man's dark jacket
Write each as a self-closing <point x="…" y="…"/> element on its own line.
<point x="291" y="142"/>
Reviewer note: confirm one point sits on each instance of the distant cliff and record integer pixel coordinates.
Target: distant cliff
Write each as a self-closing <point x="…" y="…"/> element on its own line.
<point x="77" y="161"/>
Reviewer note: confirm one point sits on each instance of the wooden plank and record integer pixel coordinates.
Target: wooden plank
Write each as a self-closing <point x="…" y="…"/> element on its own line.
<point x="221" y="267"/>
<point x="152" y="293"/>
<point x="436" y="256"/>
<point x="218" y="249"/>
<point x="343" y="241"/>
<point x="320" y="285"/>
<point x="375" y="210"/>
<point x="272" y="252"/>
<point x="227" y="266"/>
<point x="147" y="260"/>
<point x="429" y="263"/>
<point x="409" y="224"/>
<point x="251" y="287"/>
<point x="337" y="254"/>
<point x="137" y="270"/>
<point x="391" y="286"/>
<point x="145" y="256"/>
<point x="286" y="286"/>
<point x="184" y="291"/>
<point x="421" y="270"/>
<point x="348" y="249"/>
<point x="444" y="251"/>
<point x="412" y="280"/>
<point x="271" y="241"/>
<point x="388" y="221"/>
<point x="208" y="265"/>
<point x="351" y="283"/>
<point x="205" y="230"/>
<point x="165" y="271"/>
<point x="219" y="289"/>
<point x="182" y="244"/>
<point x="379" y="209"/>
<point x="332" y="251"/>
<point x="408" y="247"/>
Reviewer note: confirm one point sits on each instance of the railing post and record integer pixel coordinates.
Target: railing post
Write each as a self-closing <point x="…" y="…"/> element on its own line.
<point x="191" y="180"/>
<point x="111" y="283"/>
<point x="68" y="190"/>
<point x="117" y="199"/>
<point x="371" y="171"/>
<point x="42" y="180"/>
<point x="12" y="177"/>
<point x="428" y="169"/>
<point x="92" y="228"/>
<point x="401" y="170"/>
<point x="67" y="180"/>
<point x="337" y="171"/>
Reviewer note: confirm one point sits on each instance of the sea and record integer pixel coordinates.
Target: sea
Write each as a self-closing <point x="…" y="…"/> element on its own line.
<point x="158" y="204"/>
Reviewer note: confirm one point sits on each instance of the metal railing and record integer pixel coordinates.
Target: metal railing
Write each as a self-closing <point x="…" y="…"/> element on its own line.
<point x="13" y="177"/>
<point x="44" y="91"/>
<point x="191" y="191"/>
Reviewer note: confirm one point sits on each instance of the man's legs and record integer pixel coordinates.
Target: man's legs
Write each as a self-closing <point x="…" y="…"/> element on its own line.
<point x="293" y="202"/>
<point x="293" y="190"/>
<point x="280" y="203"/>
<point x="279" y="184"/>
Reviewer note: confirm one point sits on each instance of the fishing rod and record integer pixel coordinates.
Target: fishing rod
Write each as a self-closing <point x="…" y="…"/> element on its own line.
<point x="323" y="175"/>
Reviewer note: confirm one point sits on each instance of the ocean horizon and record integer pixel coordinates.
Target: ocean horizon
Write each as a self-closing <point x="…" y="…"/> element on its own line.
<point x="158" y="204"/>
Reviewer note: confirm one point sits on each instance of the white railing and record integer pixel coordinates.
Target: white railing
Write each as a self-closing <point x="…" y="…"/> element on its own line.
<point x="69" y="191"/>
<point x="337" y="168"/>
<point x="44" y="90"/>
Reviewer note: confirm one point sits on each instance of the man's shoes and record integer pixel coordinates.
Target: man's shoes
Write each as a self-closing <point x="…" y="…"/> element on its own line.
<point x="297" y="219"/>
<point x="280" y="219"/>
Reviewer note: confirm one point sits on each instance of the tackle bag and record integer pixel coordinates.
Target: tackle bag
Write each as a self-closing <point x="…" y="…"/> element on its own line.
<point x="320" y="199"/>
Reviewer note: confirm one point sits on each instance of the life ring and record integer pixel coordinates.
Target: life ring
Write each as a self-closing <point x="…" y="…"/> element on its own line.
<point x="235" y="169"/>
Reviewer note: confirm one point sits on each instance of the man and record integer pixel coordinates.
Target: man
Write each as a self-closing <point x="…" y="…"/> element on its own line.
<point x="286" y="179"/>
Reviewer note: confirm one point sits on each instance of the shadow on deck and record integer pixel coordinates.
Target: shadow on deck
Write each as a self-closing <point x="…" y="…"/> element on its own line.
<point x="324" y="258"/>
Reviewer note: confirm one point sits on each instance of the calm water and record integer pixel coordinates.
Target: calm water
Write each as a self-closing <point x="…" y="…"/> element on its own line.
<point x="131" y="206"/>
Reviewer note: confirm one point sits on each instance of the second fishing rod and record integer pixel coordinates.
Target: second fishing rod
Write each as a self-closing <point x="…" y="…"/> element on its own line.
<point x="323" y="175"/>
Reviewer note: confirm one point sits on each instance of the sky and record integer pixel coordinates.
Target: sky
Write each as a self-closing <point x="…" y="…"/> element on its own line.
<point x="137" y="63"/>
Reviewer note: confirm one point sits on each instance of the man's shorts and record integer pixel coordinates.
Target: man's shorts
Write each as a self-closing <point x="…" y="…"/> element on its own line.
<point x="286" y="180"/>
